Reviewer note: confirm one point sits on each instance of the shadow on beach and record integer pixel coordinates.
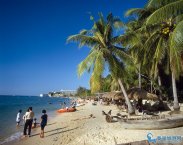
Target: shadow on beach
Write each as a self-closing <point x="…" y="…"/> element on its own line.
<point x="62" y="132"/>
<point x="48" y="131"/>
<point x="51" y="124"/>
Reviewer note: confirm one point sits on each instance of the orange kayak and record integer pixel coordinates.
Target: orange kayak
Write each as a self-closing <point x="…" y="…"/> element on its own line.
<point x="66" y="110"/>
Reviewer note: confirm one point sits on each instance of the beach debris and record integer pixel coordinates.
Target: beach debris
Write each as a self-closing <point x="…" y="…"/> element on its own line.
<point x="94" y="103"/>
<point x="123" y="116"/>
<point x="109" y="118"/>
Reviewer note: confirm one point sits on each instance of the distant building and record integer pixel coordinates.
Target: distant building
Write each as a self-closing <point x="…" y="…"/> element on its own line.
<point x="62" y="93"/>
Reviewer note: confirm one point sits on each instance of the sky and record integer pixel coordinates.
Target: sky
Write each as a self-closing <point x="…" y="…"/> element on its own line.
<point x="34" y="55"/>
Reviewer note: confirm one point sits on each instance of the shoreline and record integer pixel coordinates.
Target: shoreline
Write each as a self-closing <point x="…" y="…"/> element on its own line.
<point x="79" y="128"/>
<point x="9" y="131"/>
<point x="18" y="134"/>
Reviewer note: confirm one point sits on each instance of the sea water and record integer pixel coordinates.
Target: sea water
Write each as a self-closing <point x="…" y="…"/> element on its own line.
<point x="10" y="105"/>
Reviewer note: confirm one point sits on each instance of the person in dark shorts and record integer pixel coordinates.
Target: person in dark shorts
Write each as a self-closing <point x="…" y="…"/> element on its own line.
<point x="44" y="119"/>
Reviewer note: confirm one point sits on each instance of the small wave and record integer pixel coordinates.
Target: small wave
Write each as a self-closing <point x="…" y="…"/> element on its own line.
<point x="13" y="137"/>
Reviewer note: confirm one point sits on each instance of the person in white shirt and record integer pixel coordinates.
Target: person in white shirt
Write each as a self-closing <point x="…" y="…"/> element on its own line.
<point x="25" y="116"/>
<point x="28" y="123"/>
<point x="18" y="119"/>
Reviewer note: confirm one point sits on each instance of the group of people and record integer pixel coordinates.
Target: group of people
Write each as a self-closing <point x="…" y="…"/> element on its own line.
<point x="73" y="105"/>
<point x="30" y="121"/>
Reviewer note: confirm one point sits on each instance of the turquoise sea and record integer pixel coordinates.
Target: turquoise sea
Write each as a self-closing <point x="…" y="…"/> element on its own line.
<point x="10" y="105"/>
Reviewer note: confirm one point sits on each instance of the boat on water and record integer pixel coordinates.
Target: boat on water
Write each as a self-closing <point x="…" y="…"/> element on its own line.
<point x="43" y="95"/>
<point x="154" y="124"/>
<point x="66" y="110"/>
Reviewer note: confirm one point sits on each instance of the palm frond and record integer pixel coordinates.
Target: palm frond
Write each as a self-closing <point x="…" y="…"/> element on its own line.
<point x="168" y="11"/>
<point x="83" y="32"/>
<point x="178" y="18"/>
<point x="97" y="72"/>
<point x="120" y="52"/>
<point x="176" y="49"/>
<point x="133" y="11"/>
<point x="158" y="56"/>
<point x="177" y="38"/>
<point x="87" y="63"/>
<point x="158" y="3"/>
<point x="83" y="40"/>
<point x="99" y="37"/>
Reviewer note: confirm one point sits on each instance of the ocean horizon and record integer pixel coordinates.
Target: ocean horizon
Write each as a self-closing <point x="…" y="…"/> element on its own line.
<point x="11" y="104"/>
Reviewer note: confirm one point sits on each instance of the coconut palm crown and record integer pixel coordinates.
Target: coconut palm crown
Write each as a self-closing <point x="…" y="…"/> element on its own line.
<point x="103" y="52"/>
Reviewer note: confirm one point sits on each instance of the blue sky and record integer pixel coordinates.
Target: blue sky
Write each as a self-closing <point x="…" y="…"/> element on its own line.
<point x="34" y="56"/>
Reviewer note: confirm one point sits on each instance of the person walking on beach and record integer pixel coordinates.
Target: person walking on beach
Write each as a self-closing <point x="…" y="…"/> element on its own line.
<point x="28" y="123"/>
<point x="18" y="119"/>
<point x="44" y="119"/>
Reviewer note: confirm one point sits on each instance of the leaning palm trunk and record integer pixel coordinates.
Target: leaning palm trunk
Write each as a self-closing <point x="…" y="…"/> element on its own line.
<point x="130" y="108"/>
<point x="176" y="106"/>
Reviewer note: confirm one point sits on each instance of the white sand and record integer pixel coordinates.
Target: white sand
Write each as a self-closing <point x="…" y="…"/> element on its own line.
<point x="78" y="129"/>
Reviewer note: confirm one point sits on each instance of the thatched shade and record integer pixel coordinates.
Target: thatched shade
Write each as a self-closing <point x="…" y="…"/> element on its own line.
<point x="137" y="93"/>
<point x="152" y="96"/>
<point x="113" y="95"/>
<point x="134" y="93"/>
<point x="109" y="95"/>
<point x="118" y="96"/>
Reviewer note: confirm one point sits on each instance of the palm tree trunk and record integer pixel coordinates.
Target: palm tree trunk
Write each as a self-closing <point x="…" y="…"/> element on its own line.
<point x="159" y="81"/>
<point x="151" y="86"/>
<point x="176" y="106"/>
<point x="130" y="108"/>
<point x="140" y="82"/>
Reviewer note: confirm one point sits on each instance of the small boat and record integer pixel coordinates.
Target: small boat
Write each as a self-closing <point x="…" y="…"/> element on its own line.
<point x="66" y="110"/>
<point x="165" y="123"/>
<point x="78" y="105"/>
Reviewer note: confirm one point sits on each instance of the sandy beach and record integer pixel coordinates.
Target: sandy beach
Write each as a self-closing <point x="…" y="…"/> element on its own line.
<point x="79" y="128"/>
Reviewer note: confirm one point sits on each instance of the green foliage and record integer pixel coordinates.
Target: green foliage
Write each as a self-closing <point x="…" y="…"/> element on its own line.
<point x="152" y="39"/>
<point x="83" y="92"/>
<point x="101" y="40"/>
<point x="170" y="10"/>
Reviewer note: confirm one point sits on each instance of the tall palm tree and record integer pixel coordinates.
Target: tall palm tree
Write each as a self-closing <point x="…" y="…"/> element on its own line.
<point x="101" y="40"/>
<point x="169" y="40"/>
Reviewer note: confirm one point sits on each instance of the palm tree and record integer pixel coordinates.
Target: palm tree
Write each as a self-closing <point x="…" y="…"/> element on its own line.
<point x="169" y="40"/>
<point x="103" y="52"/>
<point x="166" y="40"/>
<point x="135" y="37"/>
